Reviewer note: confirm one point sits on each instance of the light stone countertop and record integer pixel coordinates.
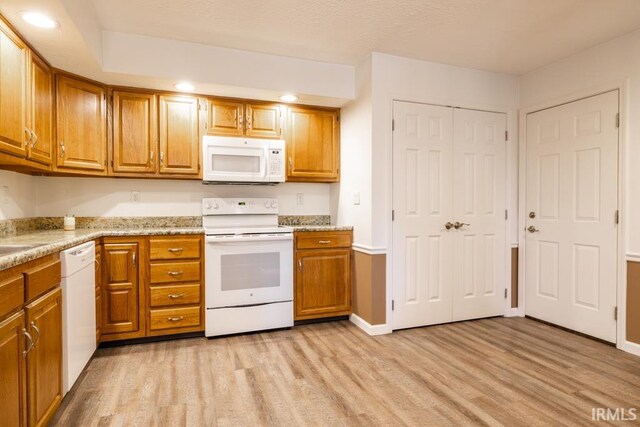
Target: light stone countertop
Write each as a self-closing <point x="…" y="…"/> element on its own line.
<point x="322" y="228"/>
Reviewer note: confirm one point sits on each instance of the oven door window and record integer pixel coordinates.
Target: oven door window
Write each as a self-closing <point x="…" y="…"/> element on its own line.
<point x="250" y="271"/>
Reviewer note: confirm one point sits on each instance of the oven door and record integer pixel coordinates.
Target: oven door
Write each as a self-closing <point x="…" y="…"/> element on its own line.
<point x="248" y="270"/>
<point x="235" y="164"/>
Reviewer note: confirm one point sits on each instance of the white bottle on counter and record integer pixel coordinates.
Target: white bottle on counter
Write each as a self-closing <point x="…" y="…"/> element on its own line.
<point x="69" y="223"/>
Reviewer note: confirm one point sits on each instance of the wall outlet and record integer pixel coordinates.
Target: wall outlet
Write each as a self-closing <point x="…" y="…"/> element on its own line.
<point x="4" y="194"/>
<point x="356" y="198"/>
<point x="299" y="199"/>
<point x="135" y="197"/>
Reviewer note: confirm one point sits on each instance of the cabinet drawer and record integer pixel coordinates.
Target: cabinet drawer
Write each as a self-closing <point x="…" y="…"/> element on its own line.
<point x="168" y="272"/>
<point x="175" y="295"/>
<point x="169" y="318"/>
<point x="165" y="249"/>
<point x="322" y="240"/>
<point x="11" y="294"/>
<point x="40" y="279"/>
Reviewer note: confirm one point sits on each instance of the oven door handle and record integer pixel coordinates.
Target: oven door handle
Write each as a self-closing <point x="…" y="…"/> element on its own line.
<point x="240" y="238"/>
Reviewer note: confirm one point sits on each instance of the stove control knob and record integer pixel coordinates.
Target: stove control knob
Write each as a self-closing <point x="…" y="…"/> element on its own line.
<point x="207" y="205"/>
<point x="274" y="204"/>
<point x="215" y="204"/>
<point x="266" y="204"/>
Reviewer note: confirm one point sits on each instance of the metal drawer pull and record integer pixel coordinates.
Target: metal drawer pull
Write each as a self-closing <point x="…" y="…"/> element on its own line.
<point x="324" y="242"/>
<point x="30" y="346"/>
<point x="175" y="296"/>
<point x="174" y="250"/>
<point x="175" y="319"/>
<point x="33" y="325"/>
<point x="174" y="273"/>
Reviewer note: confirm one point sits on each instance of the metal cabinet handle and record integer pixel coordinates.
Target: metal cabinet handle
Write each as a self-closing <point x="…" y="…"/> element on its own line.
<point x="162" y="157"/>
<point x="175" y="250"/>
<point x="175" y="296"/>
<point x="449" y="225"/>
<point x="458" y="225"/>
<point x="175" y="319"/>
<point x="532" y="229"/>
<point x="151" y="156"/>
<point x="30" y="346"/>
<point x="324" y="242"/>
<point x="248" y="119"/>
<point x="35" y="328"/>
<point x="62" y="150"/>
<point x="240" y="121"/>
<point x="34" y="136"/>
<point x="299" y="265"/>
<point x="133" y="257"/>
<point x="29" y="135"/>
<point x="174" y="273"/>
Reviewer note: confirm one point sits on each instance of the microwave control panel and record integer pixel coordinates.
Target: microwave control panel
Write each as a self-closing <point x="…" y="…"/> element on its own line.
<point x="275" y="162"/>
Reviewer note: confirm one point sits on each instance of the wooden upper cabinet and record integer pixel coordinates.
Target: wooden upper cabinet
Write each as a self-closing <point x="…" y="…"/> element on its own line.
<point x="44" y="360"/>
<point x="81" y="125"/>
<point x="263" y="120"/>
<point x="13" y="372"/>
<point x="225" y="118"/>
<point x="135" y="132"/>
<point x="313" y="145"/>
<point x="179" y="135"/>
<point x="120" y="294"/>
<point x="14" y="134"/>
<point x="40" y="110"/>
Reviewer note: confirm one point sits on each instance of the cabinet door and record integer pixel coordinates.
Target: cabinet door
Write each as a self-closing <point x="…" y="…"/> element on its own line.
<point x="135" y="132"/>
<point x="44" y="360"/>
<point x="225" y="118"/>
<point x="120" y="312"/>
<point x="179" y="142"/>
<point x="81" y="125"/>
<point x="13" y="372"/>
<point x="98" y="280"/>
<point x="263" y="120"/>
<point x="313" y="145"/>
<point x="323" y="283"/>
<point x="41" y="110"/>
<point x="14" y="134"/>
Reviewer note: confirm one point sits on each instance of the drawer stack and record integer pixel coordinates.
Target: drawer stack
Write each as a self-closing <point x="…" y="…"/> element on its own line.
<point x="176" y="297"/>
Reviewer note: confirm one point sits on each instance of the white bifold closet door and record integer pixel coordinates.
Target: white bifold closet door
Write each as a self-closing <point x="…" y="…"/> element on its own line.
<point x="571" y="209"/>
<point x="448" y="167"/>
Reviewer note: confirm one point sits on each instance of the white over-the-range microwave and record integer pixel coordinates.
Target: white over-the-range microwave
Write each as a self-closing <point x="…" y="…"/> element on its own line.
<point x="237" y="160"/>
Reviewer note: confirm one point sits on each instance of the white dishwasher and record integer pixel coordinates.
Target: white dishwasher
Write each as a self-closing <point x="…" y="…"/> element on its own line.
<point x="78" y="311"/>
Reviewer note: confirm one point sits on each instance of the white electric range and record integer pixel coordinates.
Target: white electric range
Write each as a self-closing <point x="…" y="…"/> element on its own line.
<point x="248" y="266"/>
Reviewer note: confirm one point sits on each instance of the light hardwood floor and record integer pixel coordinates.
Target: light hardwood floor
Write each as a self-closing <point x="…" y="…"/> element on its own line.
<point x="488" y="372"/>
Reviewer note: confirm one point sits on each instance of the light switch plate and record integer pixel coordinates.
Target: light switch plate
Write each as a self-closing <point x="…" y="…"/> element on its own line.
<point x="299" y="199"/>
<point x="135" y="197"/>
<point x="356" y="198"/>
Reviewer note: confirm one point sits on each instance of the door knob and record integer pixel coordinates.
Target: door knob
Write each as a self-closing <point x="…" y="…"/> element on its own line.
<point x="532" y="229"/>
<point x="449" y="225"/>
<point x="459" y="225"/>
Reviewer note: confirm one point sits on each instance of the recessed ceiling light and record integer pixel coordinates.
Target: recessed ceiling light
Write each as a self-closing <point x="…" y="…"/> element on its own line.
<point x="288" y="98"/>
<point x="184" y="86"/>
<point x="39" y="20"/>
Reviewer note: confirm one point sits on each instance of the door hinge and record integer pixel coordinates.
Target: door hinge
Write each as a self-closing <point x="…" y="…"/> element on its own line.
<point x="505" y="293"/>
<point x="506" y="135"/>
<point x="393" y="125"/>
<point x="393" y="215"/>
<point x="615" y="313"/>
<point x="506" y="214"/>
<point x="393" y="305"/>
<point x="617" y="217"/>
<point x="617" y="120"/>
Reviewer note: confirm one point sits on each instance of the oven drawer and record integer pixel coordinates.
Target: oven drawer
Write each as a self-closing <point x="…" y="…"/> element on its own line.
<point x="174" y="295"/>
<point x="323" y="240"/>
<point x="170" y="318"/>
<point x="180" y="248"/>
<point x="170" y="272"/>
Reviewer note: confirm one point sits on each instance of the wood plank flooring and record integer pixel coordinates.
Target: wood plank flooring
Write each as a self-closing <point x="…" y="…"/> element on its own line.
<point x="500" y="371"/>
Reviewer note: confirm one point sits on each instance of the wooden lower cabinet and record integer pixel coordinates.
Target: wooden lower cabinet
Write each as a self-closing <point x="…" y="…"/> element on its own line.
<point x="98" y="280"/>
<point x="13" y="371"/>
<point x="322" y="275"/>
<point x="44" y="360"/>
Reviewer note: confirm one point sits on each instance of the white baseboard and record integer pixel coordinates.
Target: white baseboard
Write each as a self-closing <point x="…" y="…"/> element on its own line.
<point x="630" y="347"/>
<point x="369" y="329"/>
<point x="512" y="312"/>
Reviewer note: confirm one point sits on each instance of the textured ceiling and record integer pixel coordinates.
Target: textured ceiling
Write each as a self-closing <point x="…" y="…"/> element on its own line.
<point x="511" y="36"/>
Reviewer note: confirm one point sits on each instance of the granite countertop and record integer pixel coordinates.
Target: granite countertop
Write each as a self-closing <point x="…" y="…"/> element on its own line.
<point x="52" y="241"/>
<point x="322" y="228"/>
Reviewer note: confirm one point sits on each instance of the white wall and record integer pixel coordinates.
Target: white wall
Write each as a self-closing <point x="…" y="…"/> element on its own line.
<point x="17" y="195"/>
<point x="606" y="64"/>
<point x="58" y="196"/>
<point x="396" y="78"/>
<point x="355" y="161"/>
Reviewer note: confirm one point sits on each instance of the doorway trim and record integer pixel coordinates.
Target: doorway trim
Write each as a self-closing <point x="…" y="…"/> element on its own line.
<point x="511" y="143"/>
<point x="622" y="86"/>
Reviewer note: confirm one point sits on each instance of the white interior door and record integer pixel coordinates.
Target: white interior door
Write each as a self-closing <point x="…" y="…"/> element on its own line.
<point x="479" y="191"/>
<point x="422" y="201"/>
<point x="571" y="203"/>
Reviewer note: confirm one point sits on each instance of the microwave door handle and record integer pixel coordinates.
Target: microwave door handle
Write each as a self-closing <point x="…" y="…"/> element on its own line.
<point x="236" y="239"/>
